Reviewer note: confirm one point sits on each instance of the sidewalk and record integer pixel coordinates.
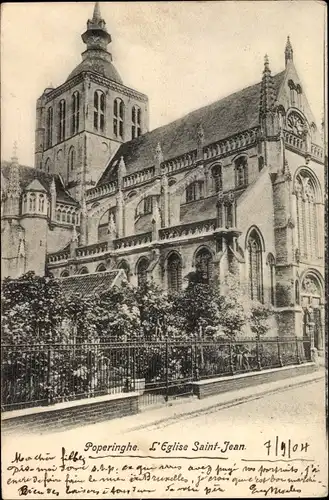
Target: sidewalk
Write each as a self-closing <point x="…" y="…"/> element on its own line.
<point x="192" y="407"/>
<point x="182" y="409"/>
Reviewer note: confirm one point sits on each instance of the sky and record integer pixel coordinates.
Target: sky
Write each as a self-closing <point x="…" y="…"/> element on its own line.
<point x="183" y="55"/>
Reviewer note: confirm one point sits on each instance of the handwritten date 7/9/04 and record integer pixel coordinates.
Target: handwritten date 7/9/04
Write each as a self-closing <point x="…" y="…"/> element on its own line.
<point x="285" y="448"/>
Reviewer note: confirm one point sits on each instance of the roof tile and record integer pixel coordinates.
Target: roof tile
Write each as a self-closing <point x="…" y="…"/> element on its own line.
<point x="224" y="118"/>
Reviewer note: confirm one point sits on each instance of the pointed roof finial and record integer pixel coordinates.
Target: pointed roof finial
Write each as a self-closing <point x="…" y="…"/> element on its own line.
<point x="158" y="154"/>
<point x="200" y="134"/>
<point x="267" y="94"/>
<point x="97" y="13"/>
<point x="53" y="186"/>
<point x="288" y="52"/>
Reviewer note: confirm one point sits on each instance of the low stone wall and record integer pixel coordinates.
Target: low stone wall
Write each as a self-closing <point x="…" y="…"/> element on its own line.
<point x="70" y="414"/>
<point x="211" y="387"/>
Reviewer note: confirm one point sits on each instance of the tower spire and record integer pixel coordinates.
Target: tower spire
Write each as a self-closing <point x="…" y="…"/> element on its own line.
<point x="288" y="52"/>
<point x="97" y="13"/>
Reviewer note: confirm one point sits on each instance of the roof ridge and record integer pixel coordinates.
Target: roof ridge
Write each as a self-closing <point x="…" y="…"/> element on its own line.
<point x="221" y="99"/>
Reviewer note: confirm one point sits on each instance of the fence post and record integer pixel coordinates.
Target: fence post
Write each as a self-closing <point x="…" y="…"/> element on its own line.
<point x="279" y="351"/>
<point x="134" y="367"/>
<point x="167" y="370"/>
<point x="297" y="351"/>
<point x="49" y="392"/>
<point x="231" y="357"/>
<point x="259" y="364"/>
<point x="197" y="371"/>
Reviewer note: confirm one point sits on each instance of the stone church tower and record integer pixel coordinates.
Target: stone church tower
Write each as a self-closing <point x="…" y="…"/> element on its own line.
<point x="81" y="123"/>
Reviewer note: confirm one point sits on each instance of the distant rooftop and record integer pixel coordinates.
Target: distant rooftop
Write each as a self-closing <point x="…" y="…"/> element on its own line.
<point x="90" y="284"/>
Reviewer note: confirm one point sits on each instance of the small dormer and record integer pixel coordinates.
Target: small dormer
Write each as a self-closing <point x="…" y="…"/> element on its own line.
<point x="35" y="199"/>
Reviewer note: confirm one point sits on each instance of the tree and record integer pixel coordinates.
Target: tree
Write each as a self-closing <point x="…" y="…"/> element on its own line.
<point x="196" y="308"/>
<point x="32" y="309"/>
<point x="233" y="313"/>
<point x="260" y="315"/>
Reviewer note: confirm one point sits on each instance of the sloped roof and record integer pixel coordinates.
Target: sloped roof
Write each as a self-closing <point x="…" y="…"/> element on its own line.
<point x="97" y="65"/>
<point x="89" y="284"/>
<point x="224" y="118"/>
<point x="29" y="174"/>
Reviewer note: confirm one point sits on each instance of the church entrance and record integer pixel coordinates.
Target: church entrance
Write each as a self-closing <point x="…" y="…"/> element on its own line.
<point x="312" y="303"/>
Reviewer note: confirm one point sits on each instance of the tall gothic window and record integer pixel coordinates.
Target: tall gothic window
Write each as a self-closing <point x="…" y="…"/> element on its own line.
<point x="217" y="176"/>
<point x="297" y="292"/>
<point x="71" y="161"/>
<point x="41" y="203"/>
<point x="142" y="266"/>
<point x="241" y="171"/>
<point x="174" y="269"/>
<point x="307" y="217"/>
<point x="99" y="110"/>
<point x="195" y="191"/>
<point x="50" y="121"/>
<point x="136" y="119"/>
<point x="118" y="117"/>
<point x="271" y="270"/>
<point x="32" y="204"/>
<point x="145" y="206"/>
<point x="75" y="113"/>
<point x="61" y="120"/>
<point x="204" y="265"/>
<point x="48" y="165"/>
<point x="255" y="267"/>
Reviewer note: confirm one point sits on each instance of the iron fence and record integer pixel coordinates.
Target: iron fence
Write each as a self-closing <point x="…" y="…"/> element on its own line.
<point x="36" y="375"/>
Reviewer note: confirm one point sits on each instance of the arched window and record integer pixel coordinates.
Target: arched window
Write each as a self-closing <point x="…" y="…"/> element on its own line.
<point x="271" y="270"/>
<point x="136" y="119"/>
<point x="49" y="130"/>
<point x="260" y="163"/>
<point x="125" y="267"/>
<point x="103" y="226"/>
<point x="61" y="120"/>
<point x="293" y="92"/>
<point x="307" y="216"/>
<point x="84" y="270"/>
<point x="75" y="113"/>
<point x="65" y="274"/>
<point x="48" y="165"/>
<point x="100" y="268"/>
<point x="299" y="96"/>
<point x="41" y="203"/>
<point x="99" y="110"/>
<point x="194" y="191"/>
<point x="32" y="203"/>
<point x="145" y="206"/>
<point x="58" y="215"/>
<point x="241" y="171"/>
<point x="142" y="267"/>
<point x="255" y="267"/>
<point x="204" y="265"/>
<point x="118" y="117"/>
<point x="297" y="292"/>
<point x="24" y="204"/>
<point x="174" y="271"/>
<point x="217" y="176"/>
<point x="71" y="161"/>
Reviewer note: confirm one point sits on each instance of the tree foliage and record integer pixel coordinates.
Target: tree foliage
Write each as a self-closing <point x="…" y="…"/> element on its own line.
<point x="35" y="310"/>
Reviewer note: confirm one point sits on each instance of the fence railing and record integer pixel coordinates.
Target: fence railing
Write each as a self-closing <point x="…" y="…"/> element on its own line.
<point x="37" y="375"/>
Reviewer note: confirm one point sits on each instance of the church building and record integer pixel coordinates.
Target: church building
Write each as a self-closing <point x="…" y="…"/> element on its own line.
<point x="237" y="185"/>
